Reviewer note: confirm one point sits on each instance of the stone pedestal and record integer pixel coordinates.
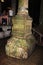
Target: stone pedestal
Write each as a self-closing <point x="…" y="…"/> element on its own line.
<point x="22" y="42"/>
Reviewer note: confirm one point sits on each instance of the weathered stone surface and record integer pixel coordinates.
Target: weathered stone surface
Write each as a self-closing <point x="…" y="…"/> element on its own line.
<point x="20" y="48"/>
<point x="22" y="42"/>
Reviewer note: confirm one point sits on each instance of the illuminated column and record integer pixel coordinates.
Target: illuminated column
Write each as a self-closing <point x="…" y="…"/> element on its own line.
<point x="2" y="0"/>
<point x="22" y="42"/>
<point x="23" y="5"/>
<point x="22" y="20"/>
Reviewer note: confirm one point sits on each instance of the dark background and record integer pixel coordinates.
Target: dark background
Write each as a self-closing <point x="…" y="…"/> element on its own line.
<point x="34" y="11"/>
<point x="8" y="3"/>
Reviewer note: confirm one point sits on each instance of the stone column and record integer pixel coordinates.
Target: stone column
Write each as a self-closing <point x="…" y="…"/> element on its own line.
<point x="21" y="22"/>
<point x="22" y="8"/>
<point x="23" y="3"/>
<point x="22" y="42"/>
